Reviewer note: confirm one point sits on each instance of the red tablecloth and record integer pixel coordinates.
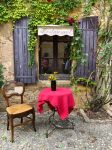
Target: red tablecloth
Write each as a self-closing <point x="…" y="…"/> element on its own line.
<point x="61" y="99"/>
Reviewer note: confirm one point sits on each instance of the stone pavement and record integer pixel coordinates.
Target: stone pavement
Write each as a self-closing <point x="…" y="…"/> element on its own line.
<point x="85" y="136"/>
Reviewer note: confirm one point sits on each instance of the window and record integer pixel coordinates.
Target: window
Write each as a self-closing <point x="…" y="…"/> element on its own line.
<point x="54" y="55"/>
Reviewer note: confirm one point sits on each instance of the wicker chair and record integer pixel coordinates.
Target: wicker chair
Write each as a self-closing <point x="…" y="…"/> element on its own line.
<point x="10" y="90"/>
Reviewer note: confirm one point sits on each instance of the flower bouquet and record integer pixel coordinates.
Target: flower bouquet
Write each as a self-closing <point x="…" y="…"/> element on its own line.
<point x="52" y="78"/>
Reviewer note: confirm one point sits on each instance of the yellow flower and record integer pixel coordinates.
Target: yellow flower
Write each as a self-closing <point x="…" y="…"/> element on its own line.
<point x="55" y="73"/>
<point x="52" y="76"/>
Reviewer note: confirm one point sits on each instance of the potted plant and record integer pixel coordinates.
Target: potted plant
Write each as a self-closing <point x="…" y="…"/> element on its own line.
<point x="52" y="78"/>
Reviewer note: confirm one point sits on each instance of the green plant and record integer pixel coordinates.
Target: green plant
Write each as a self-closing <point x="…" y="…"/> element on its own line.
<point x="85" y="82"/>
<point x="1" y="75"/>
<point x="76" y="54"/>
<point x="40" y="12"/>
<point x="77" y="45"/>
<point x="4" y="137"/>
<point x="12" y="10"/>
<point x="101" y="93"/>
<point x="88" y="7"/>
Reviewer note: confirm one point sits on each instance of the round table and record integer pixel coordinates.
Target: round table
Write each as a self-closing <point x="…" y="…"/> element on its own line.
<point x="61" y="100"/>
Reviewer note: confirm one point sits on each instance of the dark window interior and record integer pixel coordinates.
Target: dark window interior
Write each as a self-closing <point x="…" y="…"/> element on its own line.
<point x="54" y="55"/>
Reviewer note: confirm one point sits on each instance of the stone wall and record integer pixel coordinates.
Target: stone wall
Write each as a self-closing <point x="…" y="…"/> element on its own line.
<point x="6" y="55"/>
<point x="6" y="50"/>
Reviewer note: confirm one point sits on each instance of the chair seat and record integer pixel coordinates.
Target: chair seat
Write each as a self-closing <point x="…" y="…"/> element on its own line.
<point x="18" y="108"/>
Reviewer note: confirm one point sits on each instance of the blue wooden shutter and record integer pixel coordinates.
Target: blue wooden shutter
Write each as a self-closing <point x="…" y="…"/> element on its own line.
<point x="89" y="28"/>
<point x="23" y="72"/>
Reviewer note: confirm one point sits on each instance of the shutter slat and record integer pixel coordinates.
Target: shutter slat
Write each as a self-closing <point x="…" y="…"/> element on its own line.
<point x="23" y="72"/>
<point x="89" y="27"/>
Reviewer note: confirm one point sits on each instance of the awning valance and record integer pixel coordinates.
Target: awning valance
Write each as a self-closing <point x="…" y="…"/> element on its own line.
<point x="52" y="30"/>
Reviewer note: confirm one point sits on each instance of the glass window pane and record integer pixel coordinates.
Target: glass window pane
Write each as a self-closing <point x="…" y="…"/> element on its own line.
<point x="63" y="58"/>
<point x="47" y="47"/>
<point x="61" y="48"/>
<point x="47" y="57"/>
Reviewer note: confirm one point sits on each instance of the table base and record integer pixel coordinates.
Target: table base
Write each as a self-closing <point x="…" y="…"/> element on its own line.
<point x="58" y="124"/>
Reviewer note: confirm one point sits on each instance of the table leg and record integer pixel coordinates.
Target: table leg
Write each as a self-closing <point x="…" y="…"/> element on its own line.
<point x="50" y="124"/>
<point x="58" y="124"/>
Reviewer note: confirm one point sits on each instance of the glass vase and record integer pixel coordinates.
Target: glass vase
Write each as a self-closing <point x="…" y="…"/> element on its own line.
<point x="53" y="85"/>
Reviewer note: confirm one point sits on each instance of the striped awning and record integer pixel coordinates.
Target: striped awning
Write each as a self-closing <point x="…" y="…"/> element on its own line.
<point x="52" y="30"/>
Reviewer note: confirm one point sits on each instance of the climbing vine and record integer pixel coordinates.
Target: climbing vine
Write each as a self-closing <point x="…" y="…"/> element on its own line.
<point x="76" y="55"/>
<point x="102" y="90"/>
<point x="2" y="69"/>
<point x="12" y="10"/>
<point x="39" y="12"/>
<point x="88" y="7"/>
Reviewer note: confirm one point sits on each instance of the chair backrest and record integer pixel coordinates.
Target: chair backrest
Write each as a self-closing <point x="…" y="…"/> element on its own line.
<point x="12" y="88"/>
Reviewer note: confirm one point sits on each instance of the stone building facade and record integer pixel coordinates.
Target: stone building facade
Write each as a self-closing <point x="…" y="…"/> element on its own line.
<point x="7" y="60"/>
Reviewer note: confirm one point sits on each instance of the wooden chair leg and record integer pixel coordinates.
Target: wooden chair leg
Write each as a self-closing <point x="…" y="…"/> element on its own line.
<point x="21" y="119"/>
<point x="33" y="120"/>
<point x="7" y="122"/>
<point x="12" y="129"/>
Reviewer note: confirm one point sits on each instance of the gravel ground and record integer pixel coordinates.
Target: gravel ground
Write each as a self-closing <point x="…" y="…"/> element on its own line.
<point x="85" y="136"/>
